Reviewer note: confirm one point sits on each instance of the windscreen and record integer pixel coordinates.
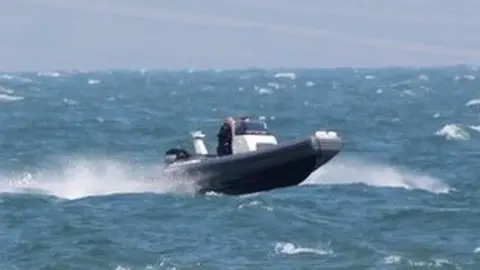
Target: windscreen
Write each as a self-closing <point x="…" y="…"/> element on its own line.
<point x="251" y="127"/>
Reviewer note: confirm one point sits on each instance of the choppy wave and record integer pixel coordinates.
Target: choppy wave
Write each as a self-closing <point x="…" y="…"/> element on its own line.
<point x="453" y="132"/>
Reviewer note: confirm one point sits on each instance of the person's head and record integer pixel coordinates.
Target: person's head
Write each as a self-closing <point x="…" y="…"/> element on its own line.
<point x="229" y="120"/>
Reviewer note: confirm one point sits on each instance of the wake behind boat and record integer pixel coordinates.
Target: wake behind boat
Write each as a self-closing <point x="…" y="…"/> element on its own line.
<point x="249" y="159"/>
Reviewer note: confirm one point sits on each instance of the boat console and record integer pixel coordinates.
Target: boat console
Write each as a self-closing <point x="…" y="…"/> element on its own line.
<point x="251" y="135"/>
<point x="248" y="135"/>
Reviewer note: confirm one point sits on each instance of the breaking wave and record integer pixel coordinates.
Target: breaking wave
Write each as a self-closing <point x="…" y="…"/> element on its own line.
<point x="355" y="171"/>
<point x="79" y="178"/>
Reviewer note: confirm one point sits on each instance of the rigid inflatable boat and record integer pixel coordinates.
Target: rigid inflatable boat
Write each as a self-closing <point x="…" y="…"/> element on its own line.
<point x="258" y="162"/>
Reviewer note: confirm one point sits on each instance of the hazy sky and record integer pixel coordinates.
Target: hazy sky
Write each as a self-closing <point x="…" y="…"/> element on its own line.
<point x="101" y="34"/>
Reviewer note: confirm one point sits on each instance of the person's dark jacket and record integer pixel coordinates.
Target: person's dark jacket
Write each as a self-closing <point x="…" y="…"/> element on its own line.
<point x="224" y="139"/>
<point x="225" y="134"/>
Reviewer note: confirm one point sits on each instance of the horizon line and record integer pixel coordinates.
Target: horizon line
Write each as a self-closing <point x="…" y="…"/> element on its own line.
<point x="229" y="69"/>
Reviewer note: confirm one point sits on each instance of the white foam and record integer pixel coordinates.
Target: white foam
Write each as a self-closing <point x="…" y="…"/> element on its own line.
<point x="408" y="92"/>
<point x="274" y="85"/>
<point x="392" y="259"/>
<point x="288" y="75"/>
<point x="335" y="85"/>
<point x="289" y="248"/>
<point x="477" y="250"/>
<point x="70" y="101"/>
<point x="427" y="89"/>
<point x="8" y="77"/>
<point x="92" y="81"/>
<point x="476" y="128"/>
<point x="473" y="102"/>
<point x="256" y="204"/>
<point x="355" y="171"/>
<point x="400" y="83"/>
<point x="262" y="91"/>
<point x="48" y="74"/>
<point x="309" y="84"/>
<point x="4" y="97"/>
<point x="466" y="77"/>
<point x="147" y="267"/>
<point x="453" y="132"/>
<point x="423" y="77"/>
<point x="396" y="259"/>
<point x="81" y="178"/>
<point x="6" y="90"/>
<point x="213" y="193"/>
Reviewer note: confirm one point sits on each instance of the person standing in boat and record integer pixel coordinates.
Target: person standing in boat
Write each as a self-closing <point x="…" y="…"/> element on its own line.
<point x="225" y="137"/>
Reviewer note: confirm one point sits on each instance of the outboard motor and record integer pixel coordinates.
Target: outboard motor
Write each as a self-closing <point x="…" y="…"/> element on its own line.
<point x="176" y="154"/>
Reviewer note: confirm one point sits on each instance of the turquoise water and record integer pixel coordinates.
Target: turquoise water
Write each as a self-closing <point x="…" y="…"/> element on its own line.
<point x="81" y="153"/>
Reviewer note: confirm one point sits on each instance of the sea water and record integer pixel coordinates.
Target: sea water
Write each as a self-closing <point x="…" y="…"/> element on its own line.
<point x="82" y="152"/>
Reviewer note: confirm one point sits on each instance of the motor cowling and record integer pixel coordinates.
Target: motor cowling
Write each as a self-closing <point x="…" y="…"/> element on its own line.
<point x="176" y="154"/>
